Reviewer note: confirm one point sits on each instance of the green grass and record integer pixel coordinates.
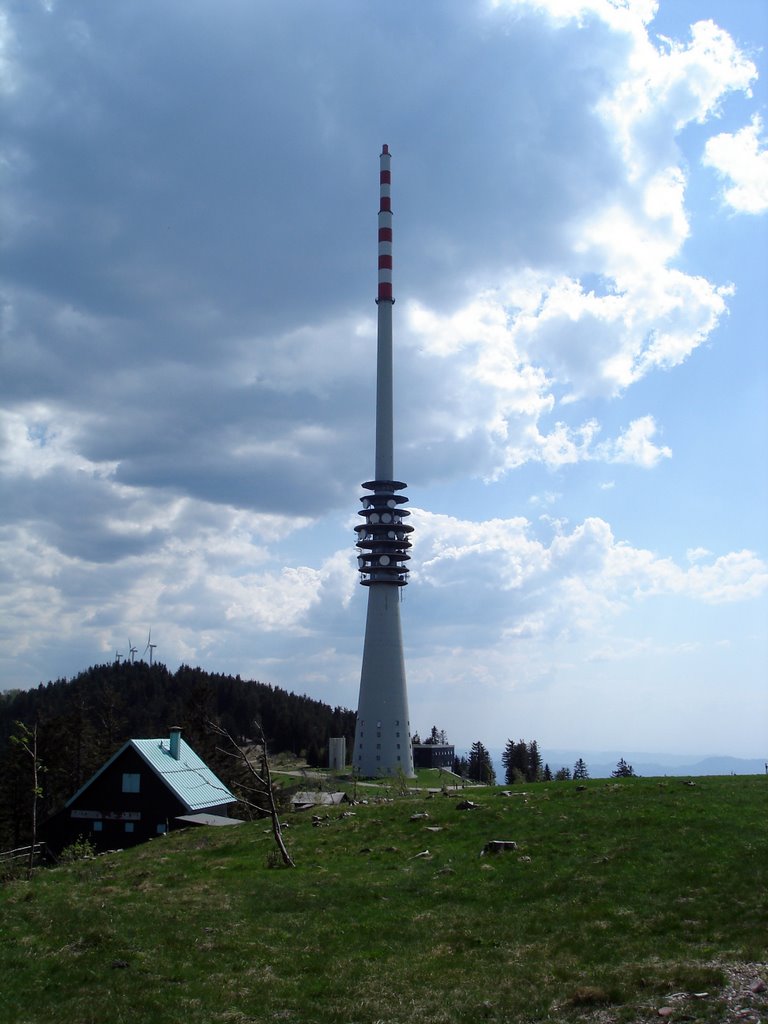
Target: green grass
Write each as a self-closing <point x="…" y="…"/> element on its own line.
<point x="291" y="772"/>
<point x="617" y="897"/>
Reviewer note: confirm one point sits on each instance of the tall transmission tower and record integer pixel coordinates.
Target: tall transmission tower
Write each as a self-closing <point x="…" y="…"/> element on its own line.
<point x="383" y="731"/>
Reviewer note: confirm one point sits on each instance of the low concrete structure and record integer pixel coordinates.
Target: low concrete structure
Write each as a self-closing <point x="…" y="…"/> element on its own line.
<point x="337" y="753"/>
<point x="303" y="801"/>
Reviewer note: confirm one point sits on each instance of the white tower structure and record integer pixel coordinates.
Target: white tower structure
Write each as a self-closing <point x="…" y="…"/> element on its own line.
<point x="383" y="731"/>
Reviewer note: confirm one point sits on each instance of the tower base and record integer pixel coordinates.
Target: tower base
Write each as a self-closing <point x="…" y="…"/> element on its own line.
<point x="383" y="730"/>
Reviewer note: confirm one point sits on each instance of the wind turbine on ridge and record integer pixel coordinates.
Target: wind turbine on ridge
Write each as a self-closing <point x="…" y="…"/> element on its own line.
<point x="150" y="646"/>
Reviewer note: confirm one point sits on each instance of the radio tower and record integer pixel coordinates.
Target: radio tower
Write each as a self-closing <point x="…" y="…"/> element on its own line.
<point x="383" y="732"/>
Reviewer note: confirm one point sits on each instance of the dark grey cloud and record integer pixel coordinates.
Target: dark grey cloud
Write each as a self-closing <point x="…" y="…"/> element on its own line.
<point x="168" y="156"/>
<point x="78" y="515"/>
<point x="190" y="186"/>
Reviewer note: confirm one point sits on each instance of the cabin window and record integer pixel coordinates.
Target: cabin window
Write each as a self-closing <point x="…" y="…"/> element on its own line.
<point x="128" y="826"/>
<point x="131" y="782"/>
<point x="98" y="826"/>
<point x="162" y="828"/>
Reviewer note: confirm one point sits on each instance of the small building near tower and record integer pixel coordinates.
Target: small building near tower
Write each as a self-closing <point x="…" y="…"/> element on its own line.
<point x="147" y="788"/>
<point x="337" y="753"/>
<point x="433" y="755"/>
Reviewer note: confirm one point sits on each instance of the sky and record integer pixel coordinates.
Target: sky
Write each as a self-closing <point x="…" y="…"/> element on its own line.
<point x="187" y="373"/>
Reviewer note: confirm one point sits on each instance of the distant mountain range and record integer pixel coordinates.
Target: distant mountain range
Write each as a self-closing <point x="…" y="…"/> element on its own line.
<point x="602" y="763"/>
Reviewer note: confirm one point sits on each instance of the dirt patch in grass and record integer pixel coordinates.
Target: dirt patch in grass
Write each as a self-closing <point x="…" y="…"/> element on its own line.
<point x="745" y="995"/>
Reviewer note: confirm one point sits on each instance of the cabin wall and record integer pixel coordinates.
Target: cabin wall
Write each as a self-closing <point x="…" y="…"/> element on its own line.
<point x="111" y="818"/>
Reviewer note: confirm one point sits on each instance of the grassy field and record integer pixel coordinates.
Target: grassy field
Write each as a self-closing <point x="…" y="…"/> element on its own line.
<point x="622" y="898"/>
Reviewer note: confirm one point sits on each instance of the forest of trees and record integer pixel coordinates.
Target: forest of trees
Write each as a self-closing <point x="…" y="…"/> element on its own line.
<point x="435" y="738"/>
<point x="82" y="721"/>
<point x="522" y="762"/>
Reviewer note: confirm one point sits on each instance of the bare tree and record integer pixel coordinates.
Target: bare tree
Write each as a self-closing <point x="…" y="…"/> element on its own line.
<point x="26" y="740"/>
<point x="262" y="776"/>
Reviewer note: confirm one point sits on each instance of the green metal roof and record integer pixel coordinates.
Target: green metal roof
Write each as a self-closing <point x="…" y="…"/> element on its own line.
<point x="190" y="778"/>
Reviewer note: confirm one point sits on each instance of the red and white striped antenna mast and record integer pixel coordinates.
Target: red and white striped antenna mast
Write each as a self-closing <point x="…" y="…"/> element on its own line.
<point x="385" y="301"/>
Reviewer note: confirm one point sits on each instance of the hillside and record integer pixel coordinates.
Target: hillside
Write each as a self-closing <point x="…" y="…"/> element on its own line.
<point x="84" y="720"/>
<point x="622" y="899"/>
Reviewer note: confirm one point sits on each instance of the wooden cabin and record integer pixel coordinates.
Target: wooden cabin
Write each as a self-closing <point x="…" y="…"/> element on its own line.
<point x="144" y="790"/>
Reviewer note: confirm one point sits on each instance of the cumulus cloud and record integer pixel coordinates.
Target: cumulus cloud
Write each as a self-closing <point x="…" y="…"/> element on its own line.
<point x="636" y="445"/>
<point x="742" y="159"/>
<point x="580" y="569"/>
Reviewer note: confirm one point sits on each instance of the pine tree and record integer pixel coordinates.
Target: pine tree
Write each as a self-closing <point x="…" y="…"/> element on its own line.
<point x="480" y="765"/>
<point x="547" y="773"/>
<point x="533" y="766"/>
<point x="562" y="774"/>
<point x="508" y="762"/>
<point x="580" y="770"/>
<point x="623" y="770"/>
<point x="436" y="738"/>
<point x="520" y="758"/>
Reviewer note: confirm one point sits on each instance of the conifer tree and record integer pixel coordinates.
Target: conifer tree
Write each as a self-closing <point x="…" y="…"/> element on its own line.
<point x="480" y="767"/>
<point x="508" y="762"/>
<point x="623" y="770"/>
<point x="520" y="758"/>
<point x="580" y="770"/>
<point x="533" y="766"/>
<point x="437" y="737"/>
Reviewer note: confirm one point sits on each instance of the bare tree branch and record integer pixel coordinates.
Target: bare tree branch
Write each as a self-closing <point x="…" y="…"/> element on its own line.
<point x="26" y="740"/>
<point x="263" y="777"/>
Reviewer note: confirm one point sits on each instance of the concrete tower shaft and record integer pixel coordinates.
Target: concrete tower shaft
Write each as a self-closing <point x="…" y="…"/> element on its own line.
<point x="383" y="734"/>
